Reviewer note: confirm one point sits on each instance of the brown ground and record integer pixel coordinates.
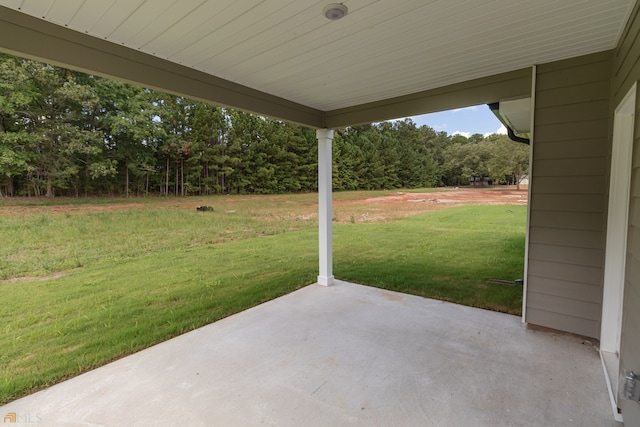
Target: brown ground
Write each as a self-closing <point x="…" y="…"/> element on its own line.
<point x="301" y="207"/>
<point x="402" y="204"/>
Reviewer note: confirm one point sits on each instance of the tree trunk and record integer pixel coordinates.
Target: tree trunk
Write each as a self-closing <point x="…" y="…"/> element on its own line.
<point x="182" y="177"/>
<point x="166" y="188"/>
<point x="86" y="180"/>
<point x="49" y="192"/>
<point x="126" y="180"/>
<point x="206" y="178"/>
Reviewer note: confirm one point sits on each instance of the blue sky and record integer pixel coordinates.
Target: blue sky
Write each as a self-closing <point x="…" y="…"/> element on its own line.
<point x="463" y="121"/>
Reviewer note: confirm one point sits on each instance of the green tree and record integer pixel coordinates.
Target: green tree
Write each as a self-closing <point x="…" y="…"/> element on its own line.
<point x="509" y="161"/>
<point x="251" y="165"/>
<point x="127" y="117"/>
<point x="210" y="159"/>
<point x="60" y="129"/>
<point x="53" y="108"/>
<point x="417" y="167"/>
<point x="176" y="116"/>
<point x="466" y="161"/>
<point x="16" y="142"/>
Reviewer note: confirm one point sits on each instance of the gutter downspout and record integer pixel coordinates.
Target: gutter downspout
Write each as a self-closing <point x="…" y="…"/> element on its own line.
<point x="495" y="109"/>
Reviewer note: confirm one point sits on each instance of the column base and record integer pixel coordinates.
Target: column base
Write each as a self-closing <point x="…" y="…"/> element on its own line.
<point x="326" y="281"/>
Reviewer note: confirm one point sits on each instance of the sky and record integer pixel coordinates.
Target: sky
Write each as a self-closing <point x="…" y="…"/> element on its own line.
<point x="462" y="121"/>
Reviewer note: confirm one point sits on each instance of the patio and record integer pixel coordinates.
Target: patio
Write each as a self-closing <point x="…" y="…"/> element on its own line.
<point x="342" y="355"/>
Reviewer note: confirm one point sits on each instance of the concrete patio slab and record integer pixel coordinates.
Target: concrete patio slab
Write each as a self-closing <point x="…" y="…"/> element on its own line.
<point x="342" y="355"/>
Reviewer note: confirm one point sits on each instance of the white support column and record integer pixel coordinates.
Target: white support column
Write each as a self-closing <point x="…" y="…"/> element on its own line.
<point x="325" y="232"/>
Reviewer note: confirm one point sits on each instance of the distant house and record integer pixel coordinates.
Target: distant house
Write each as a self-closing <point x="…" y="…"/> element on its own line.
<point x="480" y="182"/>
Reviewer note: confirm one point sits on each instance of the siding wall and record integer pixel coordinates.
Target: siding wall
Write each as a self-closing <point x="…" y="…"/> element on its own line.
<point x="570" y="166"/>
<point x="626" y="71"/>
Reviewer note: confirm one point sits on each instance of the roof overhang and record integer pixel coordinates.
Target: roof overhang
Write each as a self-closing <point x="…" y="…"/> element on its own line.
<point x="284" y="59"/>
<point x="26" y="36"/>
<point x="515" y="115"/>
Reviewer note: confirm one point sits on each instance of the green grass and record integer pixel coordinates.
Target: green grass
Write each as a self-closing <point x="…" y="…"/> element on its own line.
<point x="37" y="241"/>
<point x="38" y="245"/>
<point x="138" y="277"/>
<point x="58" y="328"/>
<point x="448" y="255"/>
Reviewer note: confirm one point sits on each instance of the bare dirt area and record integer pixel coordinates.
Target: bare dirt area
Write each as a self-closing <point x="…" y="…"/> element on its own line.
<point x="30" y="209"/>
<point x="40" y="206"/>
<point x="496" y="197"/>
<point x="391" y="206"/>
<point x="401" y="204"/>
<point x="34" y="278"/>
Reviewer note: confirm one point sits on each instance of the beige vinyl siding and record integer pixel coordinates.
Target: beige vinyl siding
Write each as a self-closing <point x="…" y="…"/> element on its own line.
<point x="626" y="71"/>
<point x="570" y="185"/>
<point x="627" y="57"/>
<point x="568" y="194"/>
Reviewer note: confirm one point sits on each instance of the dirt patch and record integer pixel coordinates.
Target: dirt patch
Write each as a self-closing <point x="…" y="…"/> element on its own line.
<point x="72" y="348"/>
<point x="34" y="278"/>
<point x="301" y="207"/>
<point x="400" y="204"/>
<point x="453" y="196"/>
<point x="68" y="209"/>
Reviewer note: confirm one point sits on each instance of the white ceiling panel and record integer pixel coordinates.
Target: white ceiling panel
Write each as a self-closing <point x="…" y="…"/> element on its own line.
<point x="381" y="49"/>
<point x="241" y="43"/>
<point x="62" y="11"/>
<point x="219" y="33"/>
<point x="89" y="14"/>
<point x="139" y="20"/>
<point x="188" y="28"/>
<point x="118" y="13"/>
<point x="38" y="9"/>
<point x="170" y="17"/>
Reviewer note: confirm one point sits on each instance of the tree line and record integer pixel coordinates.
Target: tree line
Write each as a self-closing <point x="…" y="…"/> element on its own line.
<point x="65" y="133"/>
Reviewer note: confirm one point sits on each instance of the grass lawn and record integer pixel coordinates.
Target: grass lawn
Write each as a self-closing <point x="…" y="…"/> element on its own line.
<point x="141" y="272"/>
<point x="449" y="255"/>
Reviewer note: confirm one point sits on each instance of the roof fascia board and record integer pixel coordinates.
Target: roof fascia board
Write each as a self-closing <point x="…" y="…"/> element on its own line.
<point x="513" y="84"/>
<point x="26" y="36"/>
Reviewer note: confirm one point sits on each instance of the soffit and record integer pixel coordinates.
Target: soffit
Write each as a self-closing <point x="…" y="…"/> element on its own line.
<point x="382" y="49"/>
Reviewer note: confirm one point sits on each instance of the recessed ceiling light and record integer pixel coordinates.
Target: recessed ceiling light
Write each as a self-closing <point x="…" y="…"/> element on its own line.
<point x="334" y="11"/>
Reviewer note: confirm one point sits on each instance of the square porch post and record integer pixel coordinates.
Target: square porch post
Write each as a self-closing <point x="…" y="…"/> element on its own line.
<point x="325" y="232"/>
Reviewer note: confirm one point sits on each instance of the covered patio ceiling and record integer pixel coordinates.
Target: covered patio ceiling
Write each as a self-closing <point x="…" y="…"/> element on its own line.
<point x="283" y="58"/>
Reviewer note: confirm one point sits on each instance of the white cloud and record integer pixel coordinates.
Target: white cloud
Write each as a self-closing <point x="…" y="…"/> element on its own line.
<point x="501" y="131"/>
<point x="465" y="109"/>
<point x="465" y="134"/>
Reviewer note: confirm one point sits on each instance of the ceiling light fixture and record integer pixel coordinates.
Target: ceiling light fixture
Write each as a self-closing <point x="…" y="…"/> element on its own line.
<point x="334" y="11"/>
